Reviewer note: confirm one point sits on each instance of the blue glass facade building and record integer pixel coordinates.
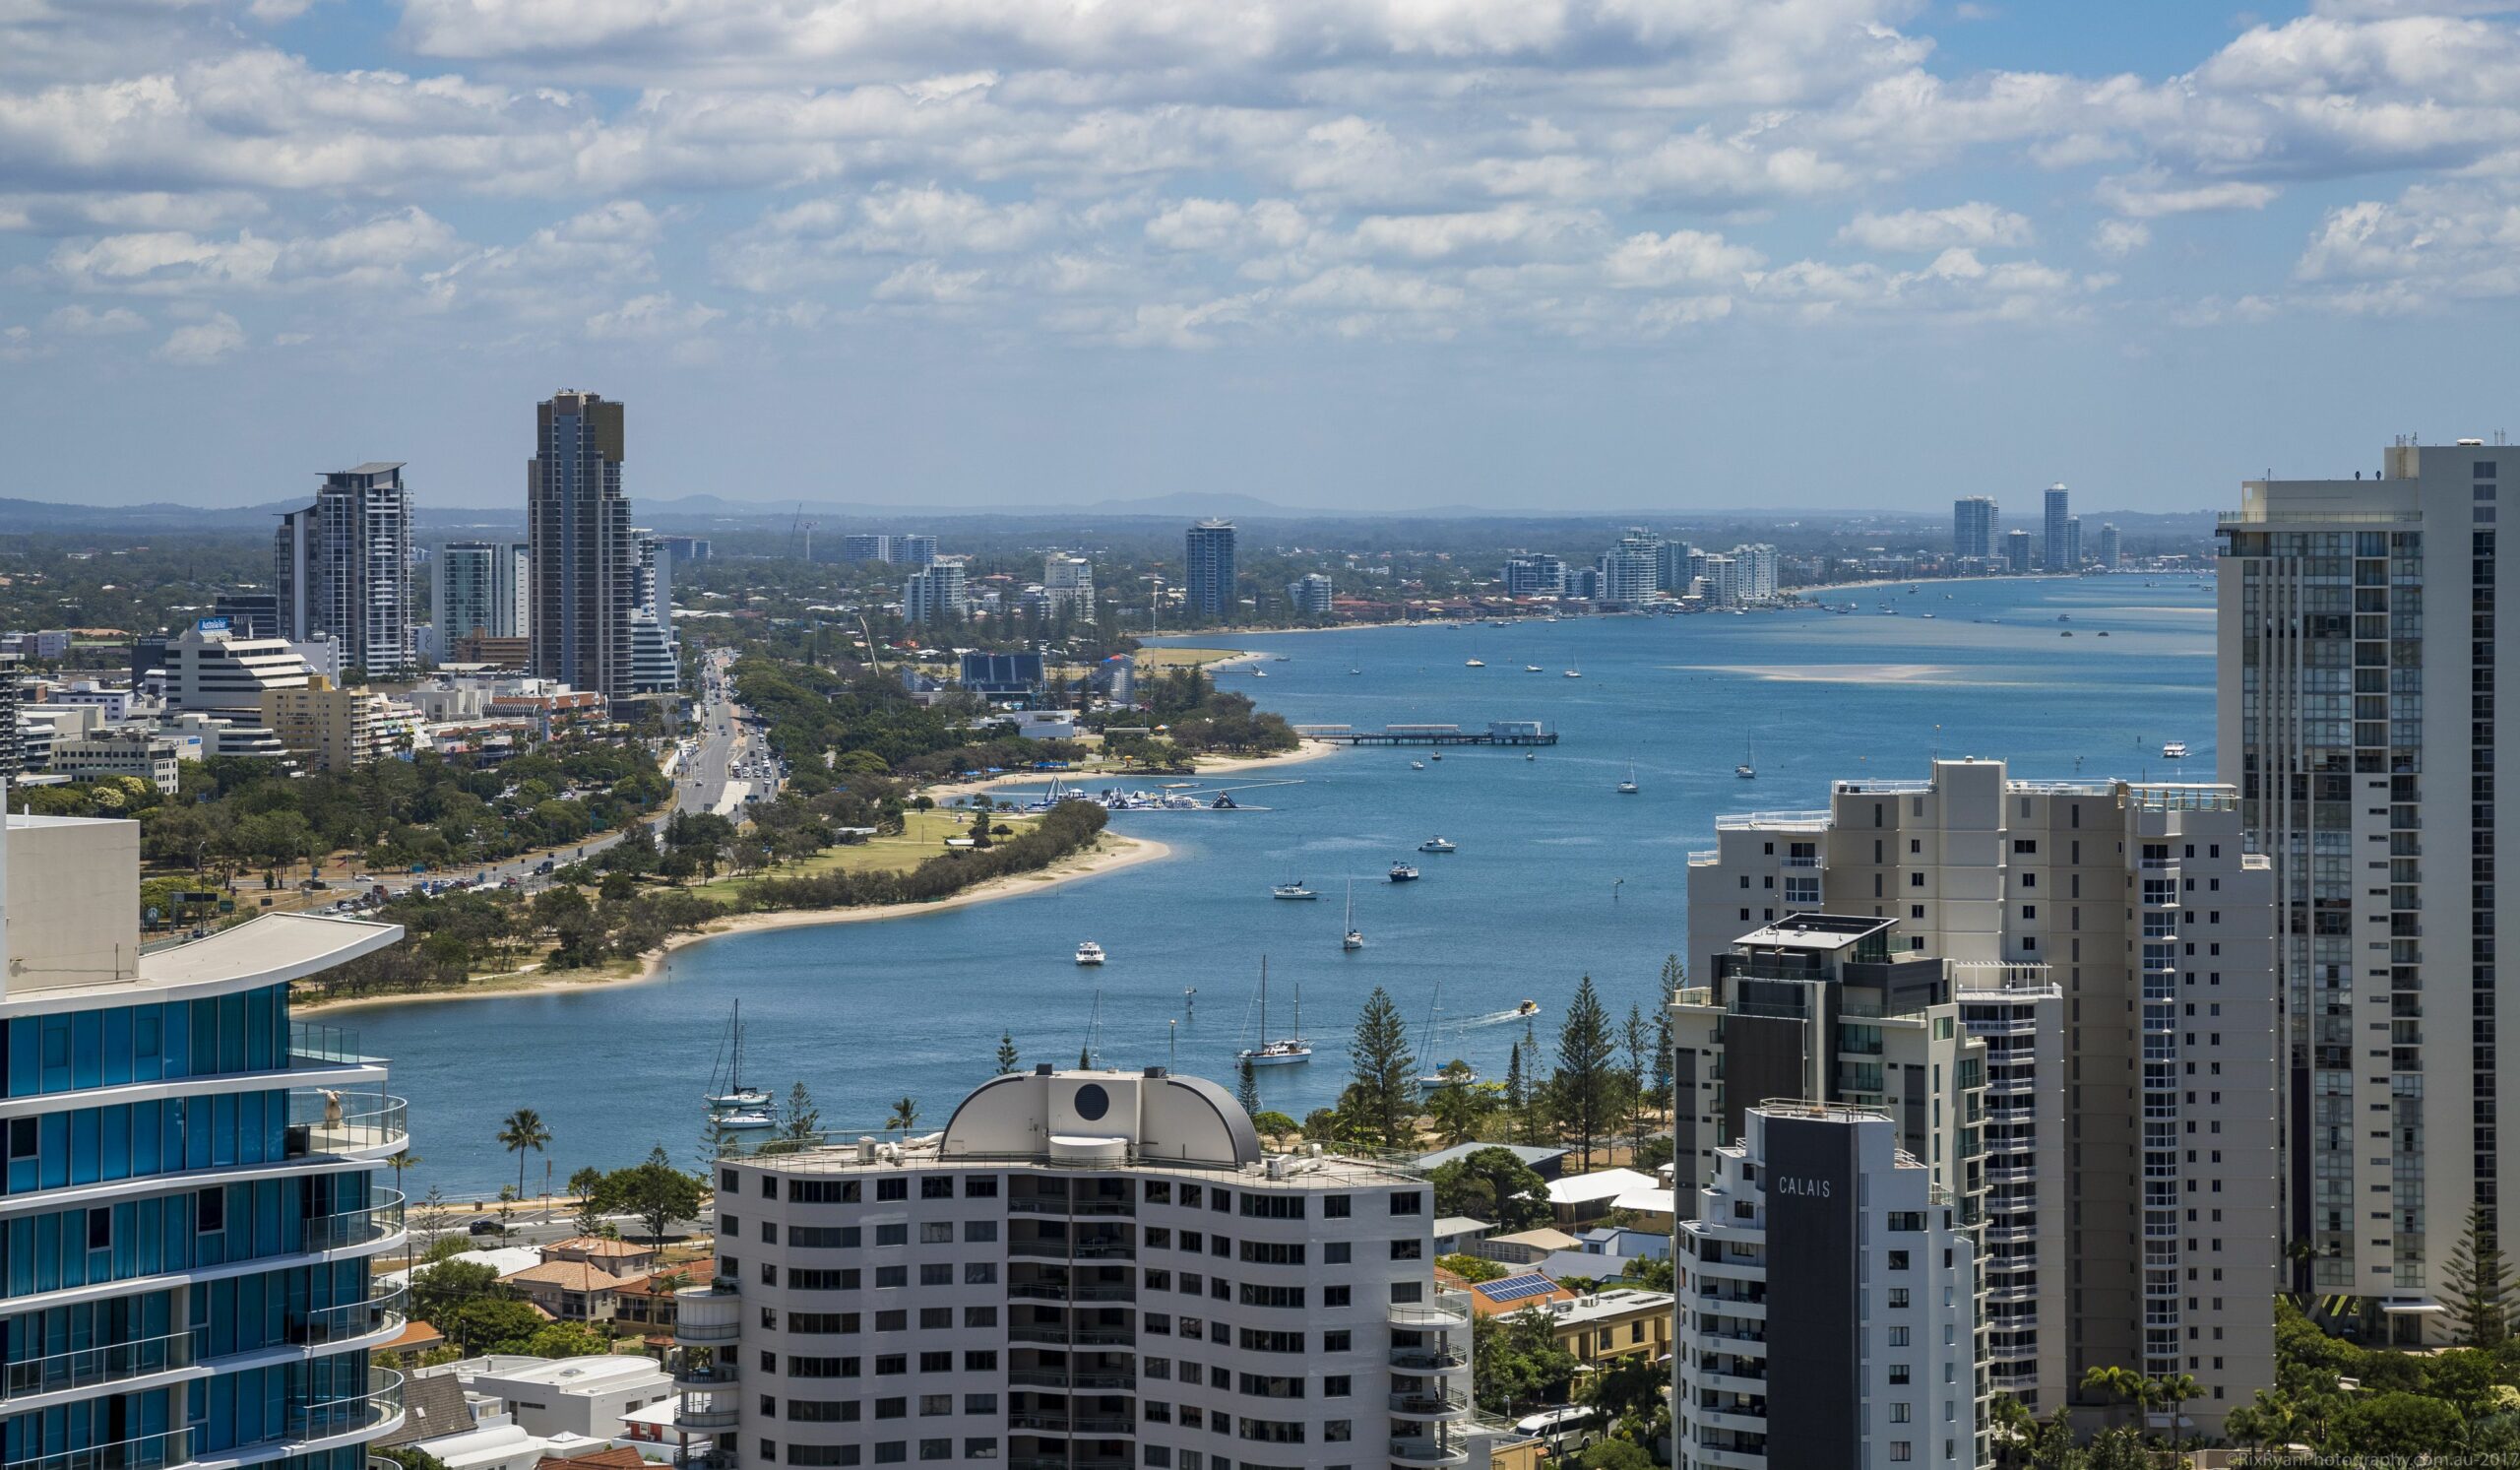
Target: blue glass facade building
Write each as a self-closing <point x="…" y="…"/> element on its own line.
<point x="190" y="1206"/>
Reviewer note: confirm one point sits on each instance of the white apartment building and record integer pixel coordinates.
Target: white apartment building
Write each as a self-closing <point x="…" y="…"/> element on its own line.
<point x="1309" y="596"/>
<point x="2151" y="913"/>
<point x="1628" y="570"/>
<point x="2356" y="708"/>
<point x="1067" y="585"/>
<point x="936" y="593"/>
<point x="1856" y="1349"/>
<point x="1094" y="1268"/>
<point x="343" y="566"/>
<point x="1719" y="581"/>
<point x="210" y="672"/>
<point x="477" y="589"/>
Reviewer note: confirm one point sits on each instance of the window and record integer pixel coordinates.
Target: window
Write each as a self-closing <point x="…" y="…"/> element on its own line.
<point x="1898" y="1298"/>
<point x="979" y="1230"/>
<point x="1898" y="1261"/>
<point x="1898" y="1339"/>
<point x="930" y="1405"/>
<point x="1333" y="1207"/>
<point x="897" y="1234"/>
<point x="1334" y="1253"/>
<point x="936" y="1232"/>
<point x="1407" y="1202"/>
<point x="1899" y="1413"/>
<point x="1898" y="1372"/>
<point x="887" y="1277"/>
<point x="895" y="1189"/>
<point x="936" y="1186"/>
<point x="1407" y="1250"/>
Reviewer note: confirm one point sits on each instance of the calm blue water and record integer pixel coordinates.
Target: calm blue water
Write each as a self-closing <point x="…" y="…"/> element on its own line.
<point x="1557" y="876"/>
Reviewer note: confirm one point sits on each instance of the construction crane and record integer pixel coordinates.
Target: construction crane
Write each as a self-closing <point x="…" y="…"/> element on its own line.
<point x="805" y="528"/>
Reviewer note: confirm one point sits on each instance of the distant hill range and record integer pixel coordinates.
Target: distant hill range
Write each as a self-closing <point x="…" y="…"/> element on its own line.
<point x="700" y="513"/>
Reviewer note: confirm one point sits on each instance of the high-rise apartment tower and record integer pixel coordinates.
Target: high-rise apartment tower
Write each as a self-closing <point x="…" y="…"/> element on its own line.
<point x="1209" y="560"/>
<point x="1972" y="527"/>
<point x="343" y="567"/>
<point x="2357" y="650"/>
<point x="585" y="562"/>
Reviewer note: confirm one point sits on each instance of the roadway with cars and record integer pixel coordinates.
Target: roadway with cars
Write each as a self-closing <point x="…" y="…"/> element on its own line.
<point x="711" y="776"/>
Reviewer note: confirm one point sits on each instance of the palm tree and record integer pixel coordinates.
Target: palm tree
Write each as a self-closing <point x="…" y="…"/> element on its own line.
<point x="2175" y="1390"/>
<point x="2123" y="1384"/>
<point x="522" y="1131"/>
<point x="905" y="1117"/>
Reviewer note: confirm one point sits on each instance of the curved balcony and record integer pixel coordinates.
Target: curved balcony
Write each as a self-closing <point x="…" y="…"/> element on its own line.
<point x="325" y="1326"/>
<point x="721" y="1373"/>
<point x="1443" y="1315"/>
<point x="1428" y="1452"/>
<point x="147" y="1452"/>
<point x="706" y="1316"/>
<point x="348" y="1413"/>
<point x="1430" y="1404"/>
<point x="87" y="1367"/>
<point x="1042" y="1422"/>
<point x="380" y="1220"/>
<point x="711" y="1413"/>
<point x="1430" y="1360"/>
<point x="360" y="1124"/>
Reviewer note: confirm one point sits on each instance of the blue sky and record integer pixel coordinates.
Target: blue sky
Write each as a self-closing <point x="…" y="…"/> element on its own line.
<point x="1527" y="254"/>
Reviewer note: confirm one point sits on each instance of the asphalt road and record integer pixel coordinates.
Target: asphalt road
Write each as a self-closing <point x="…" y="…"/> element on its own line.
<point x="706" y="781"/>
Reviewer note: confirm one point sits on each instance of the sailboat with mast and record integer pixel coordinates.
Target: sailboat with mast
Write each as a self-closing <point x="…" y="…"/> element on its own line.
<point x="1745" y="770"/>
<point x="735" y="1107"/>
<point x="1283" y="1051"/>
<point x="1627" y="784"/>
<point x="1352" y="939"/>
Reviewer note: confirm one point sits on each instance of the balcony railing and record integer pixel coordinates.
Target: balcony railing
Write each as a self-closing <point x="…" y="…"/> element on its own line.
<point x="147" y="1452"/>
<point x="336" y="1122"/>
<point x="324" y="1417"/>
<point x="84" y="1368"/>
<point x="318" y="1045"/>
<point x="1441" y="1314"/>
<point x="380" y="1219"/>
<point x="350" y="1319"/>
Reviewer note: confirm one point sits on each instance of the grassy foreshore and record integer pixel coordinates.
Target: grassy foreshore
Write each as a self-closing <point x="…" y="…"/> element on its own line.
<point x="1110" y="853"/>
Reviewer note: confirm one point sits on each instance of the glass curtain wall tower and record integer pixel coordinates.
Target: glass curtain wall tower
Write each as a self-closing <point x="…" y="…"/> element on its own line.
<point x="190" y="1206"/>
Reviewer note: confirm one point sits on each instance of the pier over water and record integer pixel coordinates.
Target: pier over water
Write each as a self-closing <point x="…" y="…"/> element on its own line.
<point x="1498" y="732"/>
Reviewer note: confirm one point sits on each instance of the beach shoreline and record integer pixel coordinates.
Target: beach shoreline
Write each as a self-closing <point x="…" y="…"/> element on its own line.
<point x="1112" y="853"/>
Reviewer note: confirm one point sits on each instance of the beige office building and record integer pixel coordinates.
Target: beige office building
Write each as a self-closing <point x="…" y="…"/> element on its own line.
<point x="329" y="729"/>
<point x="2150" y="1126"/>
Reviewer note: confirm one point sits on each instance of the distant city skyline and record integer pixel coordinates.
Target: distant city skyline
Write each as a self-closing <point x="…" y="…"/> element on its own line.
<point x="1824" y="253"/>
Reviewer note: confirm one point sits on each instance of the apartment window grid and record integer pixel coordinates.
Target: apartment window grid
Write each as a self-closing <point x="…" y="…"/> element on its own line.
<point x="2480" y="584"/>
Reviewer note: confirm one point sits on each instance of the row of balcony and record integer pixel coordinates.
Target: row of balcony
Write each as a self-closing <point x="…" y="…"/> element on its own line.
<point x="113" y="1363"/>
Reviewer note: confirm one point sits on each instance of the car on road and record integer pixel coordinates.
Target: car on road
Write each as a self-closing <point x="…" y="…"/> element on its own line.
<point x="485" y="1225"/>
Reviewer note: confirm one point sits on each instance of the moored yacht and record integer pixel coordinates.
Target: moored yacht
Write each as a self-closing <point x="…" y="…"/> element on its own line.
<point x="1295" y="890"/>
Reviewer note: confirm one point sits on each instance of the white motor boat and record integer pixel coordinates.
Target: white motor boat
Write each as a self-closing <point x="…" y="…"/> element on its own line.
<point x="1089" y="953"/>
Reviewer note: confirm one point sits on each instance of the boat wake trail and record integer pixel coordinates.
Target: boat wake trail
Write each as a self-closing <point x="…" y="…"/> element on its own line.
<point x="1496" y="1018"/>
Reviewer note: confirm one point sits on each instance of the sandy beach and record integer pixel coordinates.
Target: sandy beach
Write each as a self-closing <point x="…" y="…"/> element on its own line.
<point x="1110" y="854"/>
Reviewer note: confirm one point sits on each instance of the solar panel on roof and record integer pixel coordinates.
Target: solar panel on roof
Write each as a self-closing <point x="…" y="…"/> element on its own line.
<point x="1516" y="1288"/>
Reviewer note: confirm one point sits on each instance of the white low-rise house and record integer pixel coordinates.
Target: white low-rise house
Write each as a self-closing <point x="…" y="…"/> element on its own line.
<point x="1456" y="1235"/>
<point x="1583" y="1197"/>
<point x="581" y="1397"/>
